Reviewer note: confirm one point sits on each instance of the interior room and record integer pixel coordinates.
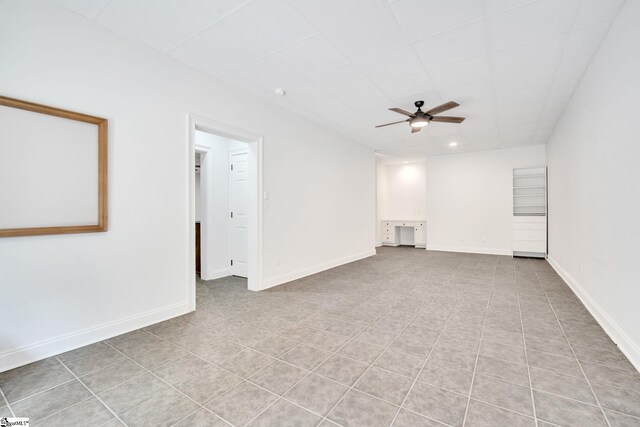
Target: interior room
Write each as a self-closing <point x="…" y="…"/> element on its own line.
<point x="319" y="213"/>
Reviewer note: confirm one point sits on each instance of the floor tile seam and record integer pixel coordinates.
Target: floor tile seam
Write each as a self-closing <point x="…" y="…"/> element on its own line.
<point x="27" y="374"/>
<point x="636" y="417"/>
<point x="77" y="357"/>
<point x="165" y="382"/>
<point x="475" y="365"/>
<point x="503" y="408"/>
<point x="574" y="355"/>
<point x="6" y="401"/>
<point x="68" y="407"/>
<point x="92" y="393"/>
<point x="402" y="404"/>
<point x="319" y="364"/>
<point x="22" y="399"/>
<point x="99" y="369"/>
<point x="380" y="355"/>
<point x="332" y="353"/>
<point x="526" y="359"/>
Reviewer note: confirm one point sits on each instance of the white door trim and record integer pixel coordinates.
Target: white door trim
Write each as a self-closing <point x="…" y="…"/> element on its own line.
<point x="254" y="143"/>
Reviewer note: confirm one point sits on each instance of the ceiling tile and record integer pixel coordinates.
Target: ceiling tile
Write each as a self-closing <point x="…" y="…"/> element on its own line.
<point x="531" y="54"/>
<point x="586" y="39"/>
<point x="468" y="91"/>
<point x="312" y="56"/>
<point x="359" y="28"/>
<point x="453" y="46"/>
<point x="569" y="74"/>
<point x="268" y="73"/>
<point x="163" y="25"/>
<point x="391" y="64"/>
<point x="302" y="92"/>
<point x="462" y="72"/>
<point x="423" y="18"/>
<point x="341" y="79"/>
<point x="218" y="50"/>
<point x="88" y="8"/>
<point x="530" y="80"/>
<point x="534" y="20"/>
<point x="328" y="107"/>
<point x="593" y="11"/>
<point x="270" y="24"/>
<point x="496" y="6"/>
<point x="364" y="96"/>
<point x="407" y="86"/>
<point x="343" y="63"/>
<point x="554" y="107"/>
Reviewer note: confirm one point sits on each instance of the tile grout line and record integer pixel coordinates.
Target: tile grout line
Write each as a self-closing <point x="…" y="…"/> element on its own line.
<point x="334" y="353"/>
<point x="570" y="345"/>
<point x="475" y="365"/>
<point x="90" y="391"/>
<point x="380" y="355"/>
<point x="401" y="406"/>
<point x="7" y="402"/>
<point x="524" y="340"/>
<point x="271" y="333"/>
<point x="167" y="383"/>
<point x="280" y="397"/>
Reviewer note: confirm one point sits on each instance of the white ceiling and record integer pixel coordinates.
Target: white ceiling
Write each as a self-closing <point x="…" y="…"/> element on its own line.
<point x="511" y="64"/>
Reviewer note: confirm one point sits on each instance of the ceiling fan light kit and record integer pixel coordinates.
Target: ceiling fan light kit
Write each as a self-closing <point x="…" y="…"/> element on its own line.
<point x="420" y="118"/>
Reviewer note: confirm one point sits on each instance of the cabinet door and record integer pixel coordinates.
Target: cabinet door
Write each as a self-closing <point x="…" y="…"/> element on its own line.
<point x="419" y="236"/>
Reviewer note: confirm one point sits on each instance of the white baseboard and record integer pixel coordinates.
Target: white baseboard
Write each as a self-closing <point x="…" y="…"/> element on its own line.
<point x="218" y="274"/>
<point x="298" y="274"/>
<point x="38" y="351"/>
<point x="378" y="244"/>
<point x="469" y="250"/>
<point x="615" y="332"/>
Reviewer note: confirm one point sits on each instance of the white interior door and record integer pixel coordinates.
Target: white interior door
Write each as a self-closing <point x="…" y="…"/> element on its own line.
<point x="238" y="203"/>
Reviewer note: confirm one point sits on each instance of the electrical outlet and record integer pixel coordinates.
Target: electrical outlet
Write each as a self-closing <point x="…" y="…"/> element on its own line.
<point x="579" y="268"/>
<point x="484" y="240"/>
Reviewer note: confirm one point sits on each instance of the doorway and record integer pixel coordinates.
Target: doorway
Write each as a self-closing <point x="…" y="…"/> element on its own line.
<point x="230" y="203"/>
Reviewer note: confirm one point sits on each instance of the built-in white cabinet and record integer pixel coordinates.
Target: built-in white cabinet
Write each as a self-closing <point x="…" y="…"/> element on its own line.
<point x="392" y="229"/>
<point x="530" y="212"/>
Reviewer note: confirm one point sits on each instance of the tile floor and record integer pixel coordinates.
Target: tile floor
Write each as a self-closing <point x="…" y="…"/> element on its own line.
<point x="405" y="338"/>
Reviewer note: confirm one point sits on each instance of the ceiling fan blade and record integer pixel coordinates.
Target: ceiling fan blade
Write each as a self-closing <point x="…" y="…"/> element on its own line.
<point x="442" y="108"/>
<point x="414" y="130"/>
<point x="393" y="123"/>
<point x="448" y="119"/>
<point x="401" y="111"/>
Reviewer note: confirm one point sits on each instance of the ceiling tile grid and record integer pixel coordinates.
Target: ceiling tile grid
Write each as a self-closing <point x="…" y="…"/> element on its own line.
<point x="512" y="65"/>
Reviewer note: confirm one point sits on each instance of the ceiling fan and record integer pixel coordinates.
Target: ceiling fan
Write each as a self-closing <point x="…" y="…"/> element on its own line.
<point x="420" y="118"/>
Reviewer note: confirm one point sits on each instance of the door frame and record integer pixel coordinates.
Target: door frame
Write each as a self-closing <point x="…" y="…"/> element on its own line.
<point x="254" y="143"/>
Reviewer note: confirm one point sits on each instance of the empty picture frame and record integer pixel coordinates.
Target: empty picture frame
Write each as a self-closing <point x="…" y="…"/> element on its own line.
<point x="53" y="170"/>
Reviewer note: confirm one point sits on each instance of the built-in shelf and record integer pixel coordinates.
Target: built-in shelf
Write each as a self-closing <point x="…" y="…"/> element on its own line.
<point x="529" y="212"/>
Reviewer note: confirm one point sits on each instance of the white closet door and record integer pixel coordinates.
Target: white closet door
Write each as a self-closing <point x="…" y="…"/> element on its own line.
<point x="238" y="240"/>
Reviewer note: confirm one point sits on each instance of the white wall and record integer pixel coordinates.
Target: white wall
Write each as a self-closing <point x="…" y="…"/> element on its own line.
<point x="381" y="198"/>
<point x="77" y="289"/>
<point x="594" y="185"/>
<point x="406" y="191"/>
<point x="469" y="198"/>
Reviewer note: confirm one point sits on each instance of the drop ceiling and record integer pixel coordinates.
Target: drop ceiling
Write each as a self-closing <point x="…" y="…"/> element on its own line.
<point x="511" y="64"/>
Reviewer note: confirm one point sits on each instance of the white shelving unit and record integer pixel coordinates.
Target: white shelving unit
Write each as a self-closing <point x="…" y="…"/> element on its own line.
<point x="530" y="212"/>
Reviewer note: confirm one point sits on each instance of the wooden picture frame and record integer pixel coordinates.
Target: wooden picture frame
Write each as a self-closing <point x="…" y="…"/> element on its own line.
<point x="100" y="137"/>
